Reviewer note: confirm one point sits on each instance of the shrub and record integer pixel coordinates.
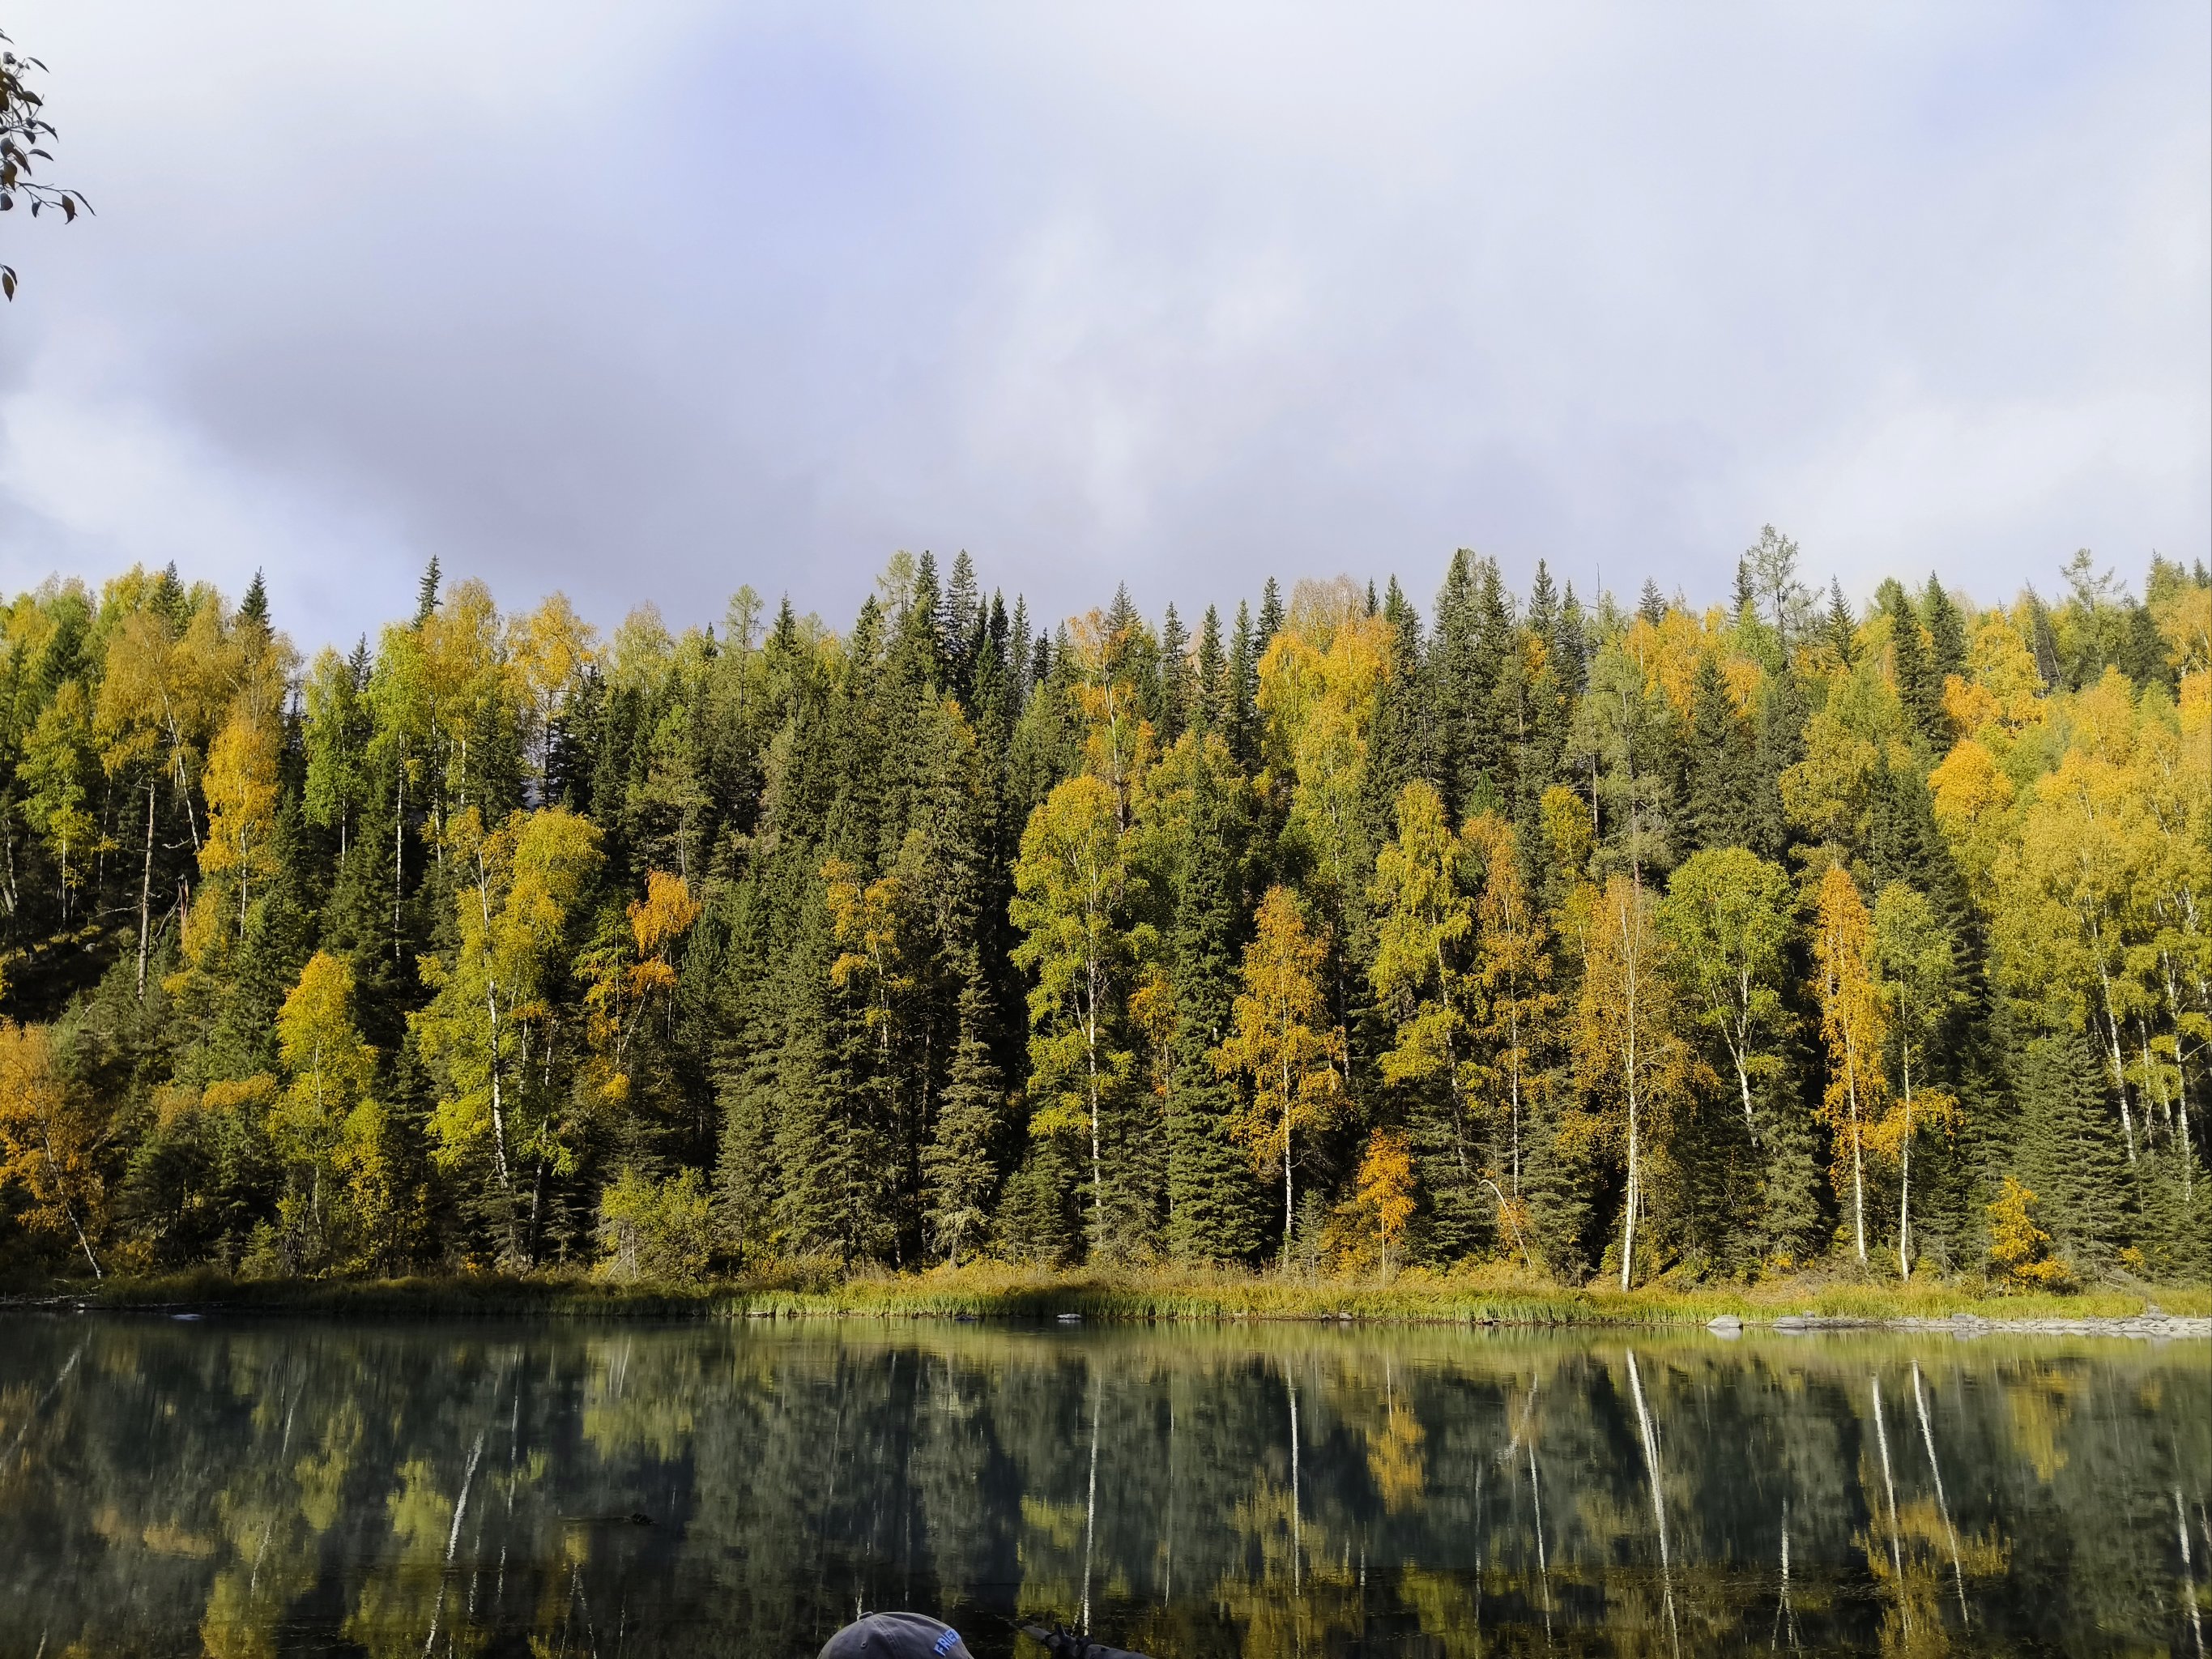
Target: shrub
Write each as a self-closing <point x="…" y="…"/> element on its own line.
<point x="2020" y="1249"/>
<point x="656" y="1230"/>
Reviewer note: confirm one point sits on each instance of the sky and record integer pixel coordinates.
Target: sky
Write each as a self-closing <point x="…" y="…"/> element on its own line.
<point x="645" y="301"/>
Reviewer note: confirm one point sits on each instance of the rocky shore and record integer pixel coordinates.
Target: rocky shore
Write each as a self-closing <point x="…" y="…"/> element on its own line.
<point x="2153" y="1325"/>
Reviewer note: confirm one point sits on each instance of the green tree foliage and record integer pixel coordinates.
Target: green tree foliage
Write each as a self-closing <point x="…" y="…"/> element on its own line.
<point x="1658" y="939"/>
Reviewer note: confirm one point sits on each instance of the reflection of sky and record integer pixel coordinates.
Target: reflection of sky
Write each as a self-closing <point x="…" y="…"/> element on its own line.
<point x="646" y="301"/>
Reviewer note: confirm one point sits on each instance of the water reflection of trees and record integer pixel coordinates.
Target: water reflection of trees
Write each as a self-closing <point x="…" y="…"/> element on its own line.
<point x="585" y="1489"/>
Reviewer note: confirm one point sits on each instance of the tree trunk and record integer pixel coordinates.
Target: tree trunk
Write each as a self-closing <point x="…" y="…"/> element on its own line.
<point x="61" y="1191"/>
<point x="146" y="891"/>
<point x="398" y="830"/>
<point x="2112" y="1040"/>
<point x="1628" y="919"/>
<point x="1858" y="1157"/>
<point x="1090" y="1052"/>
<point x="1905" y="1186"/>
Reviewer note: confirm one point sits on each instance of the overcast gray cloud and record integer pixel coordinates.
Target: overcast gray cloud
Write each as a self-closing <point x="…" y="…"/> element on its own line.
<point x="645" y="302"/>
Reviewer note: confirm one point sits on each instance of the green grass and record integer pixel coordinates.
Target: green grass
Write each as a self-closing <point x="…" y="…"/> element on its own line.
<point x="1479" y="1296"/>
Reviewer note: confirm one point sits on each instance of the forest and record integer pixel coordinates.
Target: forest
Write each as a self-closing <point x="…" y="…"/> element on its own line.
<point x="1656" y="944"/>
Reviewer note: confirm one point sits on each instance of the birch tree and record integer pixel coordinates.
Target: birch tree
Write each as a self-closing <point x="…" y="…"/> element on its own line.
<point x="1726" y="920"/>
<point x="1281" y="1042"/>
<point x="1853" y="1027"/>
<point x="1916" y="967"/>
<point x="1070" y="883"/>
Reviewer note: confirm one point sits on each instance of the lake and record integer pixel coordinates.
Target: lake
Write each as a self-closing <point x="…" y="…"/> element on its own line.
<point x="248" y="1486"/>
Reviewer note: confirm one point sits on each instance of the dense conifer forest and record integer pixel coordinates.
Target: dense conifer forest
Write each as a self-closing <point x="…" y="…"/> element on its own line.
<point x="1332" y="933"/>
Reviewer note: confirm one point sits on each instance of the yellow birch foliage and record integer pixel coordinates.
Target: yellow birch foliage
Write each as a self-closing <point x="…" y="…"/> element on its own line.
<point x="1424" y="944"/>
<point x="325" y="1126"/>
<point x="1630" y="1058"/>
<point x="625" y="979"/>
<point x="1383" y="1189"/>
<point x="1281" y="1039"/>
<point x="516" y="895"/>
<point x="240" y="856"/>
<point x="1119" y="745"/>
<point x="1320" y="686"/>
<point x="49" y="1140"/>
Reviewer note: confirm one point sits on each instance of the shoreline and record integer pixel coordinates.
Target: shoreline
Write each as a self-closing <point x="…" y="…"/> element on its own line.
<point x="1476" y="1301"/>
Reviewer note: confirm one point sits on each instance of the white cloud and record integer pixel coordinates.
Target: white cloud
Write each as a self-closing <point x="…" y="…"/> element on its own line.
<point x="650" y="300"/>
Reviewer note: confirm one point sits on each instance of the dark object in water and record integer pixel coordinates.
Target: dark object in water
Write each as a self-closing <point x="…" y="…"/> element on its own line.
<point x="896" y="1636"/>
<point x="1065" y="1643"/>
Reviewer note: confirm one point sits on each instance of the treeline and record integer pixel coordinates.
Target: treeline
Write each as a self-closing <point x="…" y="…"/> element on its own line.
<point x="1650" y="941"/>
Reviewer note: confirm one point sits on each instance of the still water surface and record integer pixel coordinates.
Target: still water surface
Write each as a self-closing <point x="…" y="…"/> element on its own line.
<point x="243" y="1487"/>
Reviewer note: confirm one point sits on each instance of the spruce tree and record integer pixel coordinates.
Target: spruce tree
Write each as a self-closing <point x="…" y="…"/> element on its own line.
<point x="1720" y="765"/>
<point x="1243" y="716"/>
<point x="2042" y="642"/>
<point x="1270" y="617"/>
<point x="1918" y="686"/>
<point x="1211" y="693"/>
<point x="1397" y="749"/>
<point x="1571" y="646"/>
<point x="1214" y="1201"/>
<point x="253" y="609"/>
<point x="1947" y="631"/>
<point x="2069" y="1154"/>
<point x="1780" y="746"/>
<point x="1456" y="686"/>
<point x="960" y="1168"/>
<point x="1177" y="698"/>
<point x="1842" y="627"/>
<point x="963" y="620"/>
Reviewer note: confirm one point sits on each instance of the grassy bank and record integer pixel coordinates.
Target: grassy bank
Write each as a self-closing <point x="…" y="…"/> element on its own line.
<point x="992" y="1291"/>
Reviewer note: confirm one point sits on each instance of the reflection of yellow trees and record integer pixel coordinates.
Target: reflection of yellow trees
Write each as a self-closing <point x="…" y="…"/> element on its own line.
<point x="1913" y="1579"/>
<point x="653" y="1412"/>
<point x="1448" y="1608"/>
<point x="270" y="1519"/>
<point x="1305" y="1590"/>
<point x="1395" y="1461"/>
<point x="2040" y="1399"/>
<point x="402" y="1605"/>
